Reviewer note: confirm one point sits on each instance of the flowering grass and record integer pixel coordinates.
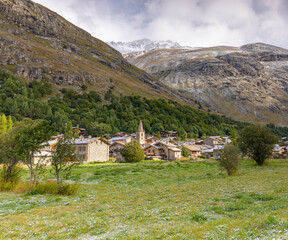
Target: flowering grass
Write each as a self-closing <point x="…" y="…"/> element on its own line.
<point x="156" y="200"/>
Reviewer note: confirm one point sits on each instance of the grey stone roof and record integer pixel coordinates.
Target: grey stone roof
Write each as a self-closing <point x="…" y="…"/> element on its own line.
<point x="80" y="141"/>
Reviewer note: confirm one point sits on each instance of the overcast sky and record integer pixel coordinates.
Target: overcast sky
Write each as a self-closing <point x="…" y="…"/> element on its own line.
<point x="193" y="23"/>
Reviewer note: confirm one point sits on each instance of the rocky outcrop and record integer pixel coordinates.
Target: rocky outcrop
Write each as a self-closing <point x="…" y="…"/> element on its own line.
<point x="248" y="83"/>
<point x="38" y="44"/>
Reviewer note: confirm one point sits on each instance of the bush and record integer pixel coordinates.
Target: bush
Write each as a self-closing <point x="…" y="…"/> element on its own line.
<point x="185" y="152"/>
<point x="133" y="152"/>
<point x="48" y="187"/>
<point x="230" y="159"/>
<point x="9" y="180"/>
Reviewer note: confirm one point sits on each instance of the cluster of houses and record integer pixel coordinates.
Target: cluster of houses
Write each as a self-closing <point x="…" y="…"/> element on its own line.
<point x="167" y="148"/>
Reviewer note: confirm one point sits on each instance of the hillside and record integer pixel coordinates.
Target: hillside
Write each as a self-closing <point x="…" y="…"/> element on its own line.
<point x="38" y="44"/>
<point x="248" y="83"/>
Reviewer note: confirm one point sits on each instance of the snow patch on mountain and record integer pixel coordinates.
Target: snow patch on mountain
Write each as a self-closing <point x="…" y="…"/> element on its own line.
<point x="143" y="45"/>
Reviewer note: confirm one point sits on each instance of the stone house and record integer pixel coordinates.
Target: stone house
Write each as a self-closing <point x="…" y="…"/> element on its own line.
<point x="124" y="139"/>
<point x="195" y="150"/>
<point x="213" y="141"/>
<point x="151" y="140"/>
<point x="163" y="150"/>
<point x="92" y="149"/>
<point x="115" y="151"/>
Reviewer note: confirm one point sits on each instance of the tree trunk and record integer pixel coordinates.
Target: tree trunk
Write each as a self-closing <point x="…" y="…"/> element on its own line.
<point x="58" y="178"/>
<point x="31" y="176"/>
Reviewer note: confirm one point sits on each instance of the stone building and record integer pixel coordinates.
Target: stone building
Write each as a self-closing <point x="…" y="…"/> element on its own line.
<point x="115" y="151"/>
<point x="92" y="149"/>
<point x="163" y="151"/>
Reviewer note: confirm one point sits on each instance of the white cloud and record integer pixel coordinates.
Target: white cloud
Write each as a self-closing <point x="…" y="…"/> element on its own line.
<point x="189" y="22"/>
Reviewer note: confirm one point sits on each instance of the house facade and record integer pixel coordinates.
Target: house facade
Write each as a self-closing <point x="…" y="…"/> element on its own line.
<point x="92" y="149"/>
<point x="115" y="151"/>
<point x="163" y="151"/>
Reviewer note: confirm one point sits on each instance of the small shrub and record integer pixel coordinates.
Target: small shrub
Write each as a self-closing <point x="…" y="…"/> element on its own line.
<point x="198" y="217"/>
<point x="22" y="187"/>
<point x="48" y="187"/>
<point x="8" y="180"/>
<point x="230" y="159"/>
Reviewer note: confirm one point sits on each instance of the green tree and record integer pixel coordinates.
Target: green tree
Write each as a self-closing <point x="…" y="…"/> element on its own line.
<point x="258" y="142"/>
<point x="133" y="152"/>
<point x="30" y="140"/>
<point x="230" y="159"/>
<point x="186" y="152"/>
<point x="9" y="154"/>
<point x="3" y="123"/>
<point x="63" y="158"/>
<point x="10" y="123"/>
<point x="182" y="134"/>
<point x="99" y="129"/>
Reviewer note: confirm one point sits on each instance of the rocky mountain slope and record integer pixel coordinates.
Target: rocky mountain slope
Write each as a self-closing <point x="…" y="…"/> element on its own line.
<point x="36" y="43"/>
<point x="249" y="83"/>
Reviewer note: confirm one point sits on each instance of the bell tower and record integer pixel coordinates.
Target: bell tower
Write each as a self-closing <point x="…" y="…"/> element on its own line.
<point x="140" y="134"/>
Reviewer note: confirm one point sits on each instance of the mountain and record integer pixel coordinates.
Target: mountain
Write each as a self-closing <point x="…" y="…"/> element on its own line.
<point x="143" y="45"/>
<point x="248" y="83"/>
<point x="38" y="44"/>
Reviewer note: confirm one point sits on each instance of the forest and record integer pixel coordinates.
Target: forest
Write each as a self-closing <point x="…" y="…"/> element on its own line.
<point x="110" y="114"/>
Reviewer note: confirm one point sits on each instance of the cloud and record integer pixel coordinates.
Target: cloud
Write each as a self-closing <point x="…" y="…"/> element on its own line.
<point x="189" y="22"/>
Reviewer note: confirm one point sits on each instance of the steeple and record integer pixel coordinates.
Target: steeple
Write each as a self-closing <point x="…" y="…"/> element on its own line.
<point x="140" y="134"/>
<point x="140" y="128"/>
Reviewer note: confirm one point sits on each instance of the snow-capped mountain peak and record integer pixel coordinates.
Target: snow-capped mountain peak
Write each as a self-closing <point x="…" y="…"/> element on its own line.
<point x="143" y="45"/>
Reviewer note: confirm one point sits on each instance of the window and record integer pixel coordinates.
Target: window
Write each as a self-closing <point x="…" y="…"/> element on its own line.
<point x="80" y="148"/>
<point x="84" y="149"/>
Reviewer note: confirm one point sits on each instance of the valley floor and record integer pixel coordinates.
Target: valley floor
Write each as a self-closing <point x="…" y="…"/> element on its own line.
<point x="156" y="200"/>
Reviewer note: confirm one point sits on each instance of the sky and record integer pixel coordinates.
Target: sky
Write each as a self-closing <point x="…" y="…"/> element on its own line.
<point x="196" y="23"/>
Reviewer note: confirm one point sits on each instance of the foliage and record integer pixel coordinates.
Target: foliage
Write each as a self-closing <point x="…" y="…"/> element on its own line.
<point x="9" y="177"/>
<point x="48" y="187"/>
<point x="185" y="152"/>
<point x="133" y="152"/>
<point x="30" y="140"/>
<point x="230" y="159"/>
<point x="10" y="153"/>
<point x="123" y="113"/>
<point x="258" y="142"/>
<point x="63" y="158"/>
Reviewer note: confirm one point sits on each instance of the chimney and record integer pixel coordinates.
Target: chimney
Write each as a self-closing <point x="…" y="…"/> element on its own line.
<point x="89" y="136"/>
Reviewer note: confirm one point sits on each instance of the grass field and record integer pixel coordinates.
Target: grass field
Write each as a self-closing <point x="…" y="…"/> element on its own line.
<point x="156" y="200"/>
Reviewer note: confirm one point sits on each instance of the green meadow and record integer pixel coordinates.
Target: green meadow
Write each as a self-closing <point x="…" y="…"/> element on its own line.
<point x="156" y="200"/>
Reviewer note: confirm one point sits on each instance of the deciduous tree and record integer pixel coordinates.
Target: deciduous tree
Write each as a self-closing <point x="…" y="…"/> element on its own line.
<point x="258" y="142"/>
<point x="133" y="152"/>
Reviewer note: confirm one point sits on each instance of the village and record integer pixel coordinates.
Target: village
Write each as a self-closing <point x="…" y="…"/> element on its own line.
<point x="168" y="147"/>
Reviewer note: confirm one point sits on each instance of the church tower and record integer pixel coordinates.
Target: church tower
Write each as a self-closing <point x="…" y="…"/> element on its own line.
<point x="140" y="134"/>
